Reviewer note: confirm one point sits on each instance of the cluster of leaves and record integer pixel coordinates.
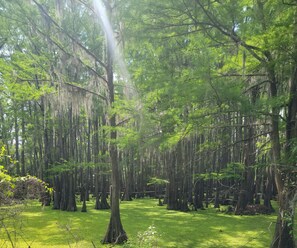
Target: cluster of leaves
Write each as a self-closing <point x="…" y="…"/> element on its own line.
<point x="6" y="186"/>
<point x="232" y="171"/>
<point x="6" y="181"/>
<point x="157" y="181"/>
<point x="70" y="166"/>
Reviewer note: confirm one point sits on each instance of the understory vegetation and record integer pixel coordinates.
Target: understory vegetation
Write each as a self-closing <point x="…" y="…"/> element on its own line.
<point x="148" y="225"/>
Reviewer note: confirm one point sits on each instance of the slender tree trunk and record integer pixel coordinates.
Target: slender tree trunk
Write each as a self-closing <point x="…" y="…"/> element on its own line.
<point x="199" y="194"/>
<point x="47" y="146"/>
<point x="103" y="203"/>
<point x="57" y="193"/>
<point x="104" y="180"/>
<point x="115" y="231"/>
<point x="83" y="193"/>
<point x="183" y="176"/>
<point x="217" y="195"/>
<point x="97" y="195"/>
<point x="23" y="168"/>
<point x="16" y="137"/>
<point x="64" y="191"/>
<point x="129" y="175"/>
<point x="172" y="189"/>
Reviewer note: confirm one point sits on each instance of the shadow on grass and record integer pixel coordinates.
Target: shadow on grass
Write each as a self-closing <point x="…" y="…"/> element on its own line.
<point x="206" y="228"/>
<point x="44" y="227"/>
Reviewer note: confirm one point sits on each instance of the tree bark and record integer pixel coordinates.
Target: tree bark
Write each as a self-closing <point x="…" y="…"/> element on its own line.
<point x="23" y="171"/>
<point x="57" y="193"/>
<point x="268" y="190"/>
<point x="172" y="190"/>
<point x="283" y="235"/>
<point x="16" y="137"/>
<point x="115" y="231"/>
<point x="199" y="194"/>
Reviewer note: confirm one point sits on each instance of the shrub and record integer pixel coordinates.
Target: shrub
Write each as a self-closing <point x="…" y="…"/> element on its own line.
<point x="147" y="239"/>
<point x="29" y="187"/>
<point x="6" y="186"/>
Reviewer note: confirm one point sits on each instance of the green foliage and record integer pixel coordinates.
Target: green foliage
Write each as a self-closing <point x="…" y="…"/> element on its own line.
<point x="6" y="181"/>
<point x="6" y="186"/>
<point x="20" y="188"/>
<point x="157" y="181"/>
<point x="70" y="166"/>
<point x="292" y="159"/>
<point x="23" y="78"/>
<point x="185" y="60"/>
<point x="232" y="171"/>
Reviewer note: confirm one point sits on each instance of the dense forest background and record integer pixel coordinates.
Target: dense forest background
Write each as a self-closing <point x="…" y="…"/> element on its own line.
<point x="193" y="102"/>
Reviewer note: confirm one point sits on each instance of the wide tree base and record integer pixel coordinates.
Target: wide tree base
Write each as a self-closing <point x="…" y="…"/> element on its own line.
<point x="115" y="235"/>
<point x="283" y="237"/>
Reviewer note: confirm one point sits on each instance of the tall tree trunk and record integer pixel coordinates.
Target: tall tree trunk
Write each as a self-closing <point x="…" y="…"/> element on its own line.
<point x="96" y="193"/>
<point x="246" y="194"/>
<point x="71" y="206"/>
<point x="23" y="169"/>
<point x="57" y="193"/>
<point x="47" y="146"/>
<point x="103" y="203"/>
<point x="199" y="194"/>
<point x="172" y="189"/>
<point x="283" y="235"/>
<point x="182" y="176"/>
<point x="83" y="194"/>
<point x="16" y="137"/>
<point x="115" y="231"/>
<point x="287" y="194"/>
<point x="64" y="191"/>
<point x="128" y="160"/>
<point x="102" y="179"/>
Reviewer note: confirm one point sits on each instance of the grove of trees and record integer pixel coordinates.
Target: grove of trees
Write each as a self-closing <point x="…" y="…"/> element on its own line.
<point x="193" y="102"/>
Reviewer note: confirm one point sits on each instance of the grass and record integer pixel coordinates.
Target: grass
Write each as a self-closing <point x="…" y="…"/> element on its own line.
<point x="37" y="226"/>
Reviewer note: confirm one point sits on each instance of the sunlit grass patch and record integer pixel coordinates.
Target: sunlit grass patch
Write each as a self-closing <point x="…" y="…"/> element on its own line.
<point x="43" y="227"/>
<point x="207" y="228"/>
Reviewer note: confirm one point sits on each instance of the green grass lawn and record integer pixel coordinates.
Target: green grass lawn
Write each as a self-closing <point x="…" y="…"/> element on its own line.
<point x="37" y="226"/>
